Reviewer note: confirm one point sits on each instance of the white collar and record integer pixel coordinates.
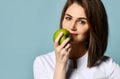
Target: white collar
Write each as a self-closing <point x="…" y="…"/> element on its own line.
<point x="82" y="61"/>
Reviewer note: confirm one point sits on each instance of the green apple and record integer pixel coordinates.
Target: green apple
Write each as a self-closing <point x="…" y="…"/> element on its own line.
<point x="66" y="34"/>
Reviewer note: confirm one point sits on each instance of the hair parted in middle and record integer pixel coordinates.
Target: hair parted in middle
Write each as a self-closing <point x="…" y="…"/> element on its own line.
<point x="98" y="22"/>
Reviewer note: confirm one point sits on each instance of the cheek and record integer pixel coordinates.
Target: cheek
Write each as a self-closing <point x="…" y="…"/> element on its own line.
<point x="65" y="24"/>
<point x="84" y="32"/>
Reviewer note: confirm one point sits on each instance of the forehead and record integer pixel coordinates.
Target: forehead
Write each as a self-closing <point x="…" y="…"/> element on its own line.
<point x="76" y="11"/>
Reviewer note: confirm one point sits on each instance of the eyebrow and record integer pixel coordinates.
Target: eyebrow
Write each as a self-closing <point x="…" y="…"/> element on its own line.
<point x="68" y="15"/>
<point x="78" y="18"/>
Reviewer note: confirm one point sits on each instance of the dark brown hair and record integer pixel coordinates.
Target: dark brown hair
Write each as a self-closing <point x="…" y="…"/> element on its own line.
<point x="97" y="19"/>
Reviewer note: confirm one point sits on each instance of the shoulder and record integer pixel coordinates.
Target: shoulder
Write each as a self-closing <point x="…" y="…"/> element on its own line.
<point x="109" y="66"/>
<point x="46" y="61"/>
<point x="46" y="58"/>
<point x="106" y="60"/>
<point x="43" y="65"/>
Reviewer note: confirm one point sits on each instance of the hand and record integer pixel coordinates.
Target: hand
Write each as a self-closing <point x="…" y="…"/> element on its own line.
<point x="62" y="51"/>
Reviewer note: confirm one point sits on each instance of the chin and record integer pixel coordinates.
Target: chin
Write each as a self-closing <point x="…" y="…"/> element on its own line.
<point x="77" y="41"/>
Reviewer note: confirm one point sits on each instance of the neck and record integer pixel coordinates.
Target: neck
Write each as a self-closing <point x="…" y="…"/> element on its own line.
<point x="78" y="50"/>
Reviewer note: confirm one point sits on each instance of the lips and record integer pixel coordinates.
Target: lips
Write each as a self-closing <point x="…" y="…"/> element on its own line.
<point x="73" y="34"/>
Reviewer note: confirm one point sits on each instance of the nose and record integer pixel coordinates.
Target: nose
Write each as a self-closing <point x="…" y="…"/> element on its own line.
<point x="73" y="26"/>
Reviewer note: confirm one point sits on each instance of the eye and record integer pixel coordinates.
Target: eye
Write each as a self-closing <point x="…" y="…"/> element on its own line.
<point x="68" y="18"/>
<point x="82" y="22"/>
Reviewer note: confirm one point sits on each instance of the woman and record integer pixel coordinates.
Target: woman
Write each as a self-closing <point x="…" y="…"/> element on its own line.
<point x="83" y="58"/>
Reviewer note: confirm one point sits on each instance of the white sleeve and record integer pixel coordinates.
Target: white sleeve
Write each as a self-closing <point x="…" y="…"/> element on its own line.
<point x="114" y="70"/>
<point x="39" y="69"/>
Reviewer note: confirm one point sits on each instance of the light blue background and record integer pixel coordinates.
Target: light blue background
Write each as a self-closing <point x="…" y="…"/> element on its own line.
<point x="26" y="29"/>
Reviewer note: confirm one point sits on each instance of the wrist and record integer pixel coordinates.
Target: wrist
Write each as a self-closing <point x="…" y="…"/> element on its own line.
<point x="60" y="66"/>
<point x="60" y="71"/>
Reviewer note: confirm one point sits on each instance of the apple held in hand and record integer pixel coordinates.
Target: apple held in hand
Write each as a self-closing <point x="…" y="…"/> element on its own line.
<point x="66" y="34"/>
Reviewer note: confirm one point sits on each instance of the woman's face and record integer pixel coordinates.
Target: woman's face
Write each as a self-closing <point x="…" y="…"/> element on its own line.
<point x="75" y="22"/>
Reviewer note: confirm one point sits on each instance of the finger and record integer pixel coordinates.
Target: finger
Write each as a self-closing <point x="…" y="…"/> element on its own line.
<point x="63" y="45"/>
<point x="66" y="55"/>
<point x="56" y="43"/>
<point x="68" y="52"/>
<point x="65" y="42"/>
<point x="69" y="49"/>
<point x="67" y="46"/>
